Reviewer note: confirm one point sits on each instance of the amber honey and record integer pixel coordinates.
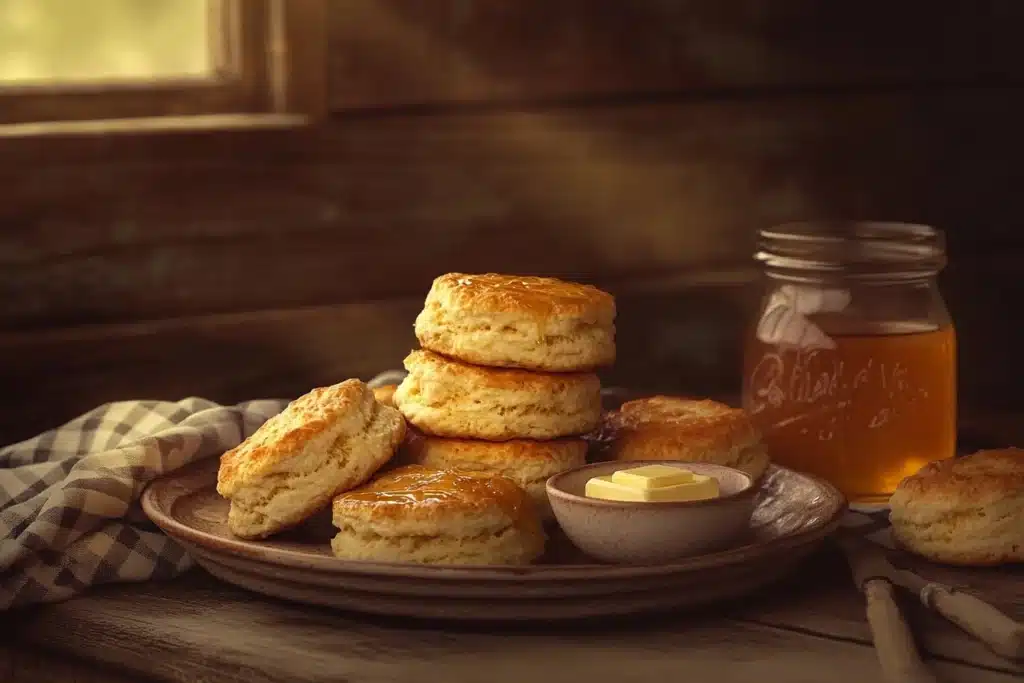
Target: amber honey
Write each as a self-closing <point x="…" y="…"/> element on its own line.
<point x="861" y="406"/>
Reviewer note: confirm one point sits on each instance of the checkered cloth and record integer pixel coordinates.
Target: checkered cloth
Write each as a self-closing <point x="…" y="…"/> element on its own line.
<point x="69" y="499"/>
<point x="69" y="512"/>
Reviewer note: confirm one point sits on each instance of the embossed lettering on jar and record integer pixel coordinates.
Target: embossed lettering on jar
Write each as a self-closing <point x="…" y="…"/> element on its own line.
<point x="850" y="369"/>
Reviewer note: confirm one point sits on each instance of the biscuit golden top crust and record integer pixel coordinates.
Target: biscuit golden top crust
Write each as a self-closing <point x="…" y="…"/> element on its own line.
<point x="698" y="417"/>
<point x="695" y="424"/>
<point x="435" y="366"/>
<point x="285" y="434"/>
<point x="972" y="480"/>
<point x="540" y="296"/>
<point x="415" y="490"/>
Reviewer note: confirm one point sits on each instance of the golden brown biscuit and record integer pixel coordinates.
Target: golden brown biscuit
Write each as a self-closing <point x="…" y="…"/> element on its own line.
<point x="964" y="511"/>
<point x="671" y="428"/>
<point x="519" y="321"/>
<point x="528" y="463"/>
<point x="446" y="397"/>
<point x="327" y="441"/>
<point x="425" y="515"/>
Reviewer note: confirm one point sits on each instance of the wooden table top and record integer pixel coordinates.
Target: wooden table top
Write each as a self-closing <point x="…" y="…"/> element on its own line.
<point x="811" y="628"/>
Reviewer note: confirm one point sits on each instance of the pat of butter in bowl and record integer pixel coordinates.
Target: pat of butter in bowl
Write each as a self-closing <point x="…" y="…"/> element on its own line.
<point x="654" y="484"/>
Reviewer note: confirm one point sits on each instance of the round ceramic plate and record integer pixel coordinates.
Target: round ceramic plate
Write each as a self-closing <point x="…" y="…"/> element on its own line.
<point x="794" y="513"/>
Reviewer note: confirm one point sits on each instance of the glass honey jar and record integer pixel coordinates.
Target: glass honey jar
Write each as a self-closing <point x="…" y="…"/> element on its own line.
<point x="850" y="366"/>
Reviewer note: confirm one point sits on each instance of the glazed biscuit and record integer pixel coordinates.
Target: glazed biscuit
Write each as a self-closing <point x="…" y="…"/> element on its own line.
<point x="514" y="321"/>
<point x="327" y="441"/>
<point x="670" y="428"/>
<point x="528" y="463"/>
<point x="963" y="511"/>
<point x="446" y="397"/>
<point x="431" y="516"/>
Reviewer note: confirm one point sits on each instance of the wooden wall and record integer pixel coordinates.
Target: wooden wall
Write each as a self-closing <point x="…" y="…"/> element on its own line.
<point x="638" y="145"/>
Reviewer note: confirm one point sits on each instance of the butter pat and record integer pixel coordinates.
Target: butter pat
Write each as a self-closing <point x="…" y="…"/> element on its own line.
<point x="652" y="477"/>
<point x="638" y="488"/>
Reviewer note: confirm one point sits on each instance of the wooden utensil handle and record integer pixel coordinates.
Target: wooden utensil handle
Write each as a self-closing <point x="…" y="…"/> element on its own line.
<point x="901" y="662"/>
<point x="983" y="621"/>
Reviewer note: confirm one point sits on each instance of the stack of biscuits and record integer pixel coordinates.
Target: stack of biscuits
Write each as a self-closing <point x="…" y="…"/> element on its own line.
<point x="496" y="401"/>
<point x="504" y="382"/>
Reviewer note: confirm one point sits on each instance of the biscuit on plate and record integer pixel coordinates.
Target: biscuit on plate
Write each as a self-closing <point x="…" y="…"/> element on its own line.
<point x="528" y="463"/>
<point x="963" y="511"/>
<point x="518" y="321"/>
<point x="446" y="397"/>
<point x="671" y="428"/>
<point x="431" y="516"/>
<point x="327" y="441"/>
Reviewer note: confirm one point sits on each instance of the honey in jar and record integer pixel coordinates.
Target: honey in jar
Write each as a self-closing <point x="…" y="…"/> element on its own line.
<point x="850" y="369"/>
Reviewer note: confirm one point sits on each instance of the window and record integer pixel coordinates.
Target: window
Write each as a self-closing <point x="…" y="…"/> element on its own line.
<point x="86" y="60"/>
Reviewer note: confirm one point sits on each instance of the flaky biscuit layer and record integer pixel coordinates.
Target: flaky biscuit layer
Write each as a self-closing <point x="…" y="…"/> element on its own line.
<point x="964" y="511"/>
<point x="528" y="463"/>
<point x="672" y="428"/>
<point x="327" y="441"/>
<point x="426" y="515"/>
<point x="446" y="397"/>
<point x="513" y="321"/>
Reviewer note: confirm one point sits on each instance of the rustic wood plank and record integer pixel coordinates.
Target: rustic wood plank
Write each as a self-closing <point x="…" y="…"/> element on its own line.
<point x="197" y="630"/>
<point x="24" y="665"/>
<point x="128" y="229"/>
<point x="1002" y="428"/>
<point x="392" y="53"/>
<point x="178" y="97"/>
<point x="299" y="49"/>
<point x="224" y="358"/>
<point x="981" y="292"/>
<point x="822" y="600"/>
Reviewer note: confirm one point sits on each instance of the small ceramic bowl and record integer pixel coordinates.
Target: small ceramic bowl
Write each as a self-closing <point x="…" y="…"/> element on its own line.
<point x="651" y="533"/>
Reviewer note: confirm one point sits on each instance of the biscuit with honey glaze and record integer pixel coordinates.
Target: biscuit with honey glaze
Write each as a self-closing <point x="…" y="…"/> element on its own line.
<point x="446" y="397"/>
<point x="528" y="463"/>
<point x="517" y="321"/>
<point x="671" y="428"/>
<point x="325" y="442"/>
<point x="963" y="511"/>
<point x="431" y="516"/>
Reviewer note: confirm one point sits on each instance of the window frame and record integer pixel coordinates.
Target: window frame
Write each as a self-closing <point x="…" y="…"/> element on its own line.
<point x="269" y="57"/>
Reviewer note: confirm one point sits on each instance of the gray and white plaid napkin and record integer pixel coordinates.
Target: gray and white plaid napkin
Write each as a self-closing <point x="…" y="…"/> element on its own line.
<point x="69" y="511"/>
<point x="69" y="499"/>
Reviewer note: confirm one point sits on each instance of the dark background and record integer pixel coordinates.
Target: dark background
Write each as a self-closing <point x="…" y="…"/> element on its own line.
<point x="638" y="145"/>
